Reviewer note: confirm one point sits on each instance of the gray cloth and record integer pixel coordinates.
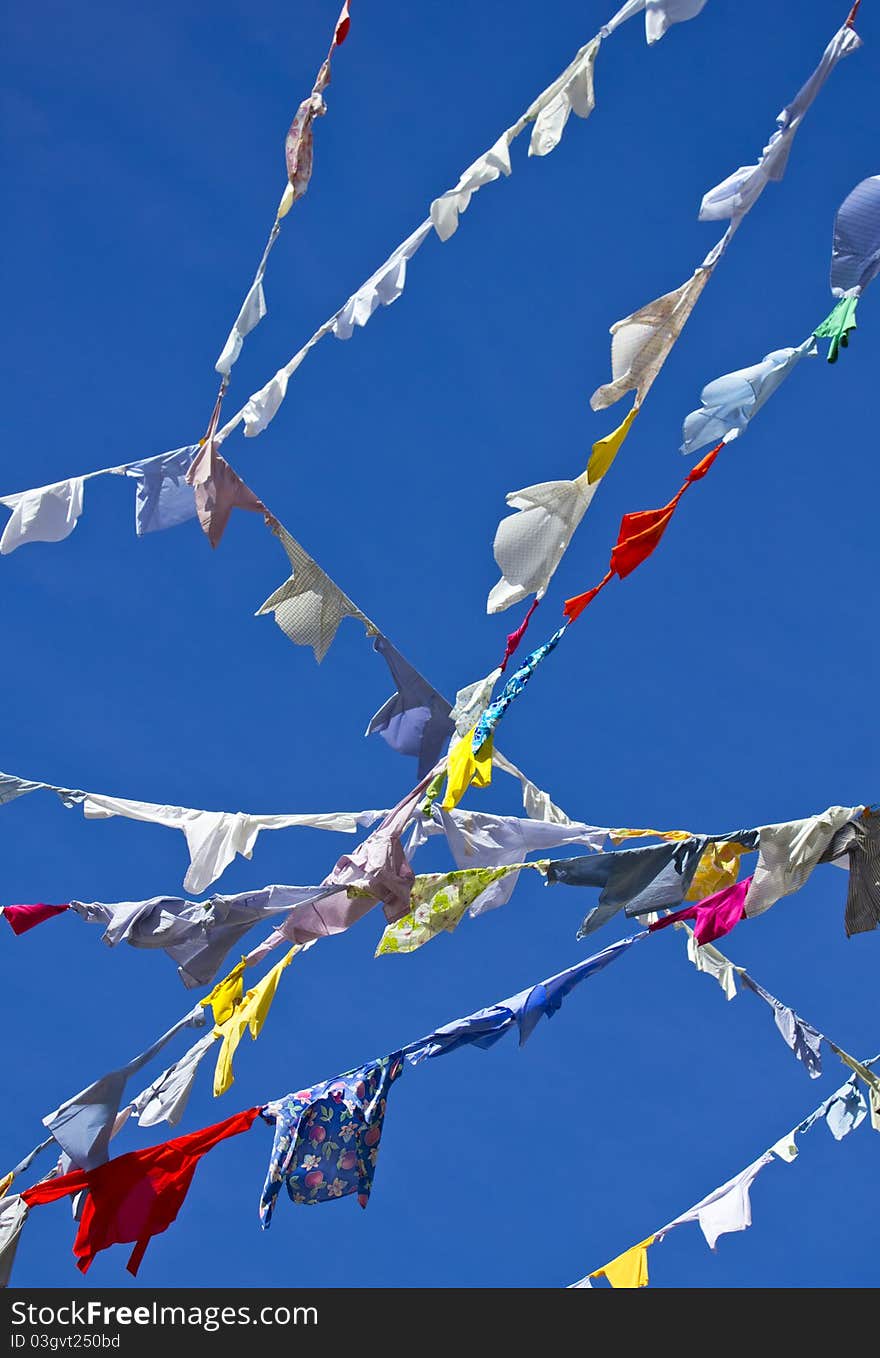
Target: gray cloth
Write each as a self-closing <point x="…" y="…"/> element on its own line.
<point x="855" y="256"/>
<point x="83" y="1125"/>
<point x="13" y="1215"/>
<point x="166" y="1098"/>
<point x="196" y="935"/>
<point x="800" y="1036"/>
<point x="860" y="841"/>
<point x="12" y="787"/>
<point x="415" y="720"/>
<point x="642" y="879"/>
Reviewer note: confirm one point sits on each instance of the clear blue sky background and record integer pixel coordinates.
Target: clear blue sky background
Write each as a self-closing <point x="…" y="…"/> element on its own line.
<point x="727" y="683"/>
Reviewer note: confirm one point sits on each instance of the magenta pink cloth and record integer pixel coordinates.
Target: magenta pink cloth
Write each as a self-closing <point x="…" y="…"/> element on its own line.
<point x="24" y="917"/>
<point x="514" y="638"/>
<point x="715" y="916"/>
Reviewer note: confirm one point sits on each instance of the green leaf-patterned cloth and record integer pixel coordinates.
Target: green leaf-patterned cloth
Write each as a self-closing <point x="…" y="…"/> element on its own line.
<point x="439" y="900"/>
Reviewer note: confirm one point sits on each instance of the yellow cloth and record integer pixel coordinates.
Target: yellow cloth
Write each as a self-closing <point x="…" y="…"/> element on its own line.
<point x="719" y="865"/>
<point x="226" y="994"/>
<point x="250" y="1013"/>
<point x="863" y="1072"/>
<point x="465" y="768"/>
<point x="629" y="1269"/>
<point x="605" y="450"/>
<point x="5" y="1182"/>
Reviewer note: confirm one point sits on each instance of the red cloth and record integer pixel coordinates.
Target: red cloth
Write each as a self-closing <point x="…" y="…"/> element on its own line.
<point x="24" y="917"/>
<point x="639" y="534"/>
<point x="715" y="916"/>
<point x="514" y="638"/>
<point x="135" y="1196"/>
<point x="343" y="24"/>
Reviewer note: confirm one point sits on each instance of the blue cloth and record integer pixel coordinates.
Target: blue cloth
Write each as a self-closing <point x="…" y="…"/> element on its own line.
<point x="512" y="689"/>
<point x="525" y="1010"/>
<point x="842" y="1111"/>
<point x="415" y="721"/>
<point x="327" y="1137"/>
<point x="650" y="878"/>
<point x="803" y="1039"/>
<point x="855" y="256"/>
<point x="163" y="498"/>
<point x="729" y="402"/>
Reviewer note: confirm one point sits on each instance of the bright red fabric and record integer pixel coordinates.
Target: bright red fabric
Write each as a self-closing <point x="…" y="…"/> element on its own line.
<point x="136" y="1196"/>
<point x="24" y="917"/>
<point x="343" y="24"/>
<point x="575" y="607"/>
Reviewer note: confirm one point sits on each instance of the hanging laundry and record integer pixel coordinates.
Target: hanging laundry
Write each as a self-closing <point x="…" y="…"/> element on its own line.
<point x="13" y="1215"/>
<point x="536" y="802"/>
<point x="523" y="1010"/>
<point x="859" y="842"/>
<point x="485" y="727"/>
<point x="416" y="719"/>
<point x="629" y="1269"/>
<point x="843" y="1111"/>
<point x="864" y="1074"/>
<point x="83" y="1125"/>
<point x="309" y="607"/>
<point x="605" y="450"/>
<point x="725" y="1210"/>
<point x="530" y="544"/>
<point x="438" y="902"/>
<point x="574" y="94"/>
<point x="472" y="701"/>
<point x="715" y="916"/>
<point x="227" y="994"/>
<point x="163" y="497"/>
<point x="789" y="852"/>
<point x="12" y="787"/>
<point x="383" y="288"/>
<point x="837" y="326"/>
<point x="20" y="918"/>
<point x="45" y="514"/>
<point x="712" y="962"/>
<point x="250" y="1013"/>
<point x="196" y="935"/>
<point x="800" y="1036"/>
<point x="218" y="490"/>
<point x="855" y="254"/>
<point x="479" y="840"/>
<point x="643" y="880"/>
<point x="253" y="308"/>
<point x="446" y="209"/>
<point x="639" y="534"/>
<point x="515" y="637"/>
<point x="730" y="402"/>
<point x="720" y="865"/>
<point x="165" y="1100"/>
<point x="135" y="1196"/>
<point x="641" y="343"/>
<point x="466" y="766"/>
<point x="737" y="194"/>
<point x="659" y="15"/>
<point x="327" y="1137"/>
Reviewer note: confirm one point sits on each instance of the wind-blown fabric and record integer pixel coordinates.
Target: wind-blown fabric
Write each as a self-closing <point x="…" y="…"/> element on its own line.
<point x="629" y="1269"/>
<point x="416" y="719"/>
<point x="641" y="343"/>
<point x="573" y="93"/>
<point x="83" y="1125"/>
<point x="218" y="490"/>
<point x="730" y="402"/>
<point x="530" y="544"/>
<point x="725" y="1210"/>
<point x="485" y="727"/>
<point x="659" y="15"/>
<point x="734" y="196"/>
<point x="251" y="1013"/>
<point x="855" y="254"/>
<point x="382" y="288"/>
<point x="800" y="1036"/>
<point x="712" y="962"/>
<point x="165" y="1100"/>
<point x="859" y="842"/>
<point x="44" y="514"/>
<point x="163" y="496"/>
<point x="523" y="1011"/>
<point x="21" y="918"/>
<point x="638" y="536"/>
<point x="327" y="1137"/>
<point x="467" y="765"/>
<point x="472" y="701"/>
<point x="838" y="326"/>
<point x="13" y="1215"/>
<point x="438" y="904"/>
<point x="446" y="209"/>
<point x="716" y="916"/>
<point x="309" y="607"/>
<point x="788" y="853"/>
<point x="643" y="880"/>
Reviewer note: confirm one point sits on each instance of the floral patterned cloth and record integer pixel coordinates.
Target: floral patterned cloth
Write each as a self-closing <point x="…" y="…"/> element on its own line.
<point x="327" y="1137"/>
<point x="485" y="727"/>
<point x="439" y="900"/>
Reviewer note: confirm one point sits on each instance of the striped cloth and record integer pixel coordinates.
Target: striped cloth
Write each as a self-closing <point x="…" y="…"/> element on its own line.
<point x="860" y="840"/>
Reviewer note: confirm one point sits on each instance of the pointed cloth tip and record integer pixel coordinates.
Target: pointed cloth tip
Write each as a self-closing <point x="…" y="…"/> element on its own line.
<point x="851" y="17"/>
<point x="343" y="24"/>
<point x="514" y="638"/>
<point x="24" y="917"/>
<point x="605" y="450"/>
<point x="574" y="607"/>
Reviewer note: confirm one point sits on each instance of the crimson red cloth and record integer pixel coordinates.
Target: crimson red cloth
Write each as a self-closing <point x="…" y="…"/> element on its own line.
<point x="343" y="24"/>
<point x="514" y="638"/>
<point x="639" y="534"/>
<point x="24" y="917"/>
<point x="715" y="916"/>
<point x="135" y="1196"/>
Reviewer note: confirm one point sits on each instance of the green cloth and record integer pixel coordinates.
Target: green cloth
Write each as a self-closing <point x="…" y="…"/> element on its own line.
<point x="439" y="901"/>
<point x="837" y="326"/>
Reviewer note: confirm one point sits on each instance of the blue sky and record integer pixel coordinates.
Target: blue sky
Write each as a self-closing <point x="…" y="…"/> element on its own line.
<point x="726" y="684"/>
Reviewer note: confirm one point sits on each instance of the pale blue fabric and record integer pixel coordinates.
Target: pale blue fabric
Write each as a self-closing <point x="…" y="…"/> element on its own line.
<point x="729" y="402"/>
<point x="415" y="720"/>
<point x="654" y="877"/>
<point x="484" y="1027"/>
<point x="163" y="498"/>
<point x="855" y="255"/>
<point x="803" y="1039"/>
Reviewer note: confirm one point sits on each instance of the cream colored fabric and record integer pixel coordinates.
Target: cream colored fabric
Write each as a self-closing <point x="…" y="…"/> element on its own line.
<point x="530" y="544"/>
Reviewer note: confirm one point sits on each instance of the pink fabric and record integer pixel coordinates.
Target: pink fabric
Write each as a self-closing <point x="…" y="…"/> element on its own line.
<point x="24" y="917"/>
<point x="218" y="490"/>
<point x="514" y="638"/>
<point x="715" y="916"/>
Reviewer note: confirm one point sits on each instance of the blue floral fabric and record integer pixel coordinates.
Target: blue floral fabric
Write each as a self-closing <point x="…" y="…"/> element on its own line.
<point x="327" y="1137"/>
<point x="512" y="689"/>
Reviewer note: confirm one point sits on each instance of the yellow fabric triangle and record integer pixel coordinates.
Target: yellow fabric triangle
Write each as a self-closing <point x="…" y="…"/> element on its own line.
<point x="465" y="767"/>
<point x="226" y="994"/>
<point x="629" y="1269"/>
<point x="5" y="1182"/>
<point x="250" y="1013"/>
<point x="605" y="450"/>
<point x="718" y="867"/>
